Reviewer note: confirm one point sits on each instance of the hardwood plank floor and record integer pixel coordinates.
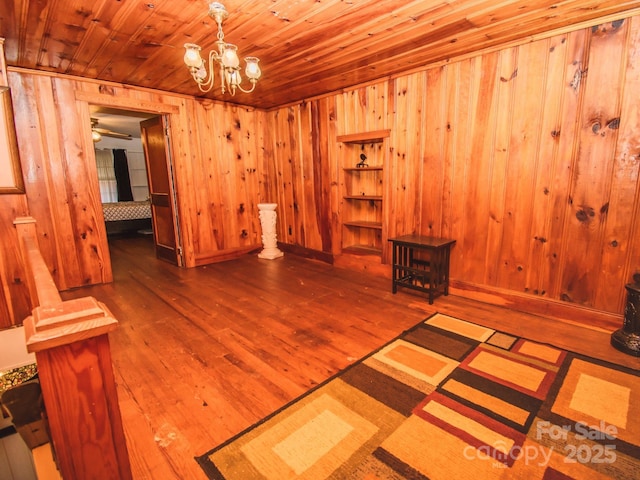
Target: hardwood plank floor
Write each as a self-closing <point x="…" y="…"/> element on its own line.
<point x="201" y="354"/>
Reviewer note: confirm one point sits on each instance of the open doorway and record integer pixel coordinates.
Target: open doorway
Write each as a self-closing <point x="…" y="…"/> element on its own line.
<point x="122" y="173"/>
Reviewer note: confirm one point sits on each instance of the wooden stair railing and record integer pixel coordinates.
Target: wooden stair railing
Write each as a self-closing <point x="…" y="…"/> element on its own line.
<point x="71" y="345"/>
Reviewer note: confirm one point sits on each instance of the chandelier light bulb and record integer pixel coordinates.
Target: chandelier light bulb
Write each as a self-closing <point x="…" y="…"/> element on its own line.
<point x="230" y="56"/>
<point x="192" y="56"/>
<point x="201" y="73"/>
<point x="233" y="78"/>
<point x="252" y="71"/>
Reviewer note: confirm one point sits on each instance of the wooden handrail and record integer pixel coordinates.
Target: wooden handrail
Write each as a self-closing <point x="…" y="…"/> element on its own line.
<point x="42" y="288"/>
<point x="70" y="340"/>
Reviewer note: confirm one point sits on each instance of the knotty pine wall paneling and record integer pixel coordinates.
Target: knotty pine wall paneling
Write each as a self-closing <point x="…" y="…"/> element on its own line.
<point x="311" y="181"/>
<point x="433" y="161"/>
<point x="179" y="116"/>
<point x="509" y="181"/>
<point x="404" y="163"/>
<point x="362" y="109"/>
<point x="299" y="210"/>
<point x="551" y="170"/>
<point x="249" y="164"/>
<point x="60" y="196"/>
<point x="590" y="189"/>
<point x="626" y="181"/>
<point x="324" y="167"/>
<point x="267" y="175"/>
<point x="298" y="189"/>
<point x="14" y="295"/>
<point x="566" y="64"/>
<point x="281" y="123"/>
<point x="480" y="249"/>
<point x="456" y="133"/>
<point x="206" y="201"/>
<point x="535" y="165"/>
<point x="225" y="203"/>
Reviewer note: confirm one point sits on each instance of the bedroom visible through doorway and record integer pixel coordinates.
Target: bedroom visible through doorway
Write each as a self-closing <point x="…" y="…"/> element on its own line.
<point x="122" y="173"/>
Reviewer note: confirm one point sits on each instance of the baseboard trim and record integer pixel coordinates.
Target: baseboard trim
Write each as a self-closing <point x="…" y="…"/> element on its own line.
<point x="224" y="255"/>
<point x="566" y="312"/>
<point x="306" y="252"/>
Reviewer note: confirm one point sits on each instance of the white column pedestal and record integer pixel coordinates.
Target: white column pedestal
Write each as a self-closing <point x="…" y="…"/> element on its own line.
<point x="267" y="214"/>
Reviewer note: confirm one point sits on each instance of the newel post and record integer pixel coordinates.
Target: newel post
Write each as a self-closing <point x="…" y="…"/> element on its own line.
<point x="71" y="344"/>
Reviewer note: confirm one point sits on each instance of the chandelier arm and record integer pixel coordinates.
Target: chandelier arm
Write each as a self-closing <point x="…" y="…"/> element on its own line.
<point x="205" y="89"/>
<point x="253" y="86"/>
<point x="208" y="85"/>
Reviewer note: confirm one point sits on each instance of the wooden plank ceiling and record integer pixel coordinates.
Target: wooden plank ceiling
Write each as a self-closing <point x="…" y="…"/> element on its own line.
<point x="306" y="47"/>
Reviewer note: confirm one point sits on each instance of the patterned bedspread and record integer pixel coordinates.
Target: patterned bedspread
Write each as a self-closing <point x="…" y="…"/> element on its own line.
<point x="126" y="211"/>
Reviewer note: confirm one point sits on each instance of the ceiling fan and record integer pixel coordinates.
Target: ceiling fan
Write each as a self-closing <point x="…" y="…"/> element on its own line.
<point x="97" y="133"/>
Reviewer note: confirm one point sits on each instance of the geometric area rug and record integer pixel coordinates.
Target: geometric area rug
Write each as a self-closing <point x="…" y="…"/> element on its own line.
<point x="449" y="399"/>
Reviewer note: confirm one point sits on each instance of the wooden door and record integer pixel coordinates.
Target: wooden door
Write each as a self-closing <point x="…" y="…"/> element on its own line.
<point x="163" y="214"/>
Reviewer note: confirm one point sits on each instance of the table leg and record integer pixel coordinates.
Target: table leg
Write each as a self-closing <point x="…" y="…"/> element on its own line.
<point x="394" y="269"/>
<point x="447" y="256"/>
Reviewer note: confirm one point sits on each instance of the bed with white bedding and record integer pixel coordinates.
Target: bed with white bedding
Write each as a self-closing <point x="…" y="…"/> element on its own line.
<point x="127" y="217"/>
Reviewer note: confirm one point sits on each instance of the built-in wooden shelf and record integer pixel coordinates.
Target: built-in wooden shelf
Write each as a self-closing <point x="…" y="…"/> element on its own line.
<point x="375" y="136"/>
<point x="363" y="224"/>
<point x="364" y="197"/>
<point x="363" y="169"/>
<point x="362" y="191"/>
<point x="362" y="250"/>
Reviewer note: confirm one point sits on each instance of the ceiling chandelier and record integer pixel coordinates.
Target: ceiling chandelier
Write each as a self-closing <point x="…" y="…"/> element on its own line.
<point x="226" y="57"/>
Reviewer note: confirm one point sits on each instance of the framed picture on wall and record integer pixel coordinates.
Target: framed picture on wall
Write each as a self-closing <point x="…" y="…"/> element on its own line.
<point x="10" y="171"/>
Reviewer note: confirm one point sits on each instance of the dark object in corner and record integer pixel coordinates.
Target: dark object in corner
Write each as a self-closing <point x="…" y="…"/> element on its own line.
<point x="24" y="404"/>
<point x="627" y="339"/>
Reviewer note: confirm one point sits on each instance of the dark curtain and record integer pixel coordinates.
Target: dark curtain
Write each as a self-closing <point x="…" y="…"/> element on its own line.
<point x="121" y="167"/>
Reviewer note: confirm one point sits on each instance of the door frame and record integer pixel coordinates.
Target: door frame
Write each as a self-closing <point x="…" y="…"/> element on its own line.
<point x="83" y="101"/>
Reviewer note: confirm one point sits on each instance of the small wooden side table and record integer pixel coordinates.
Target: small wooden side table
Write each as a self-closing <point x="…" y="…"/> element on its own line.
<point x="421" y="263"/>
